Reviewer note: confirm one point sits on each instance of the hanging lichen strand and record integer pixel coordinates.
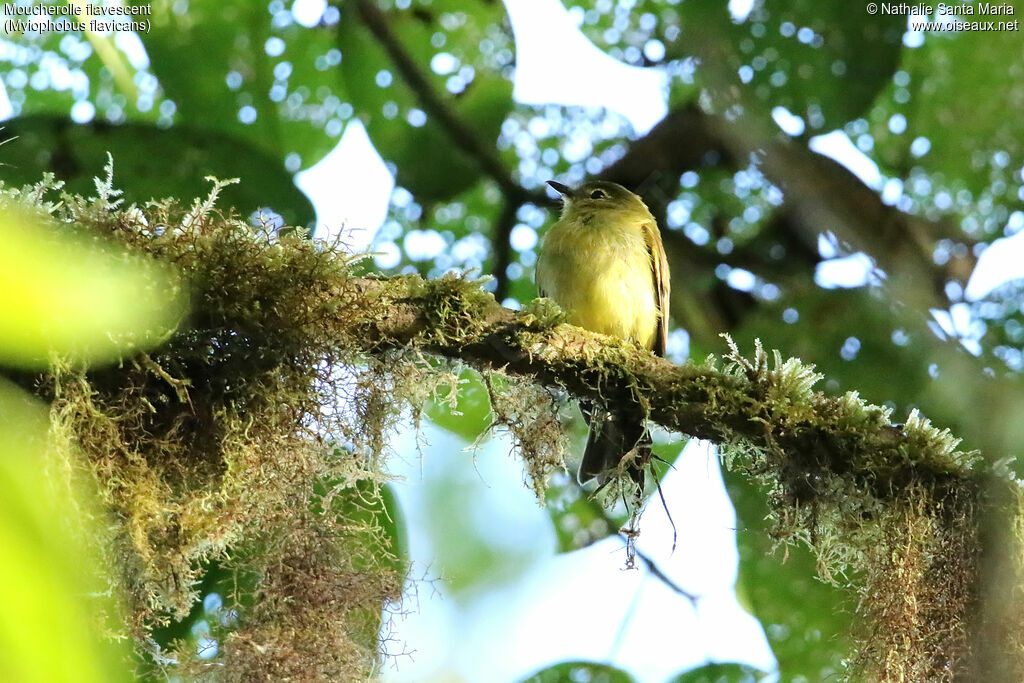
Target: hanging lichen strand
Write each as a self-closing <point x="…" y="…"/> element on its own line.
<point x="253" y="442"/>
<point x="249" y="443"/>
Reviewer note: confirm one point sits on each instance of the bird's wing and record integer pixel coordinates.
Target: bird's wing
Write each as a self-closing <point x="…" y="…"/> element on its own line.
<point x="659" y="264"/>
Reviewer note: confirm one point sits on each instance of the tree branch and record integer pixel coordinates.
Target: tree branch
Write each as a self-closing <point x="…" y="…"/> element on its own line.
<point x="823" y="195"/>
<point x="460" y="132"/>
<point x="502" y="245"/>
<point x="746" y="402"/>
<point x="684" y="140"/>
<point x="894" y="505"/>
<point x="820" y="194"/>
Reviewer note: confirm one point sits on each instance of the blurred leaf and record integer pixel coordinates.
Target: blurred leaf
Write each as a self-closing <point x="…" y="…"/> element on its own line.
<point x="579" y="671"/>
<point x="428" y="162"/>
<point x="71" y="295"/>
<point x="897" y="361"/>
<point x="220" y="56"/>
<point x="49" y="624"/>
<point x="150" y="163"/>
<point x="48" y="72"/>
<point x="472" y="553"/>
<point x="465" y="223"/>
<point x="957" y="92"/>
<point x="371" y="512"/>
<point x="579" y="520"/>
<point x="219" y="622"/>
<point x="217" y="63"/>
<point x="806" y="621"/>
<point x="831" y="317"/>
<point x="472" y="414"/>
<point x="825" y="62"/>
<point x="721" y="673"/>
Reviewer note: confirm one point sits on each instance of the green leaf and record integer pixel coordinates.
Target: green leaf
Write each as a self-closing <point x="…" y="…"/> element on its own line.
<point x="372" y="514"/>
<point x="579" y="671"/>
<point x="238" y="89"/>
<point x="67" y="294"/>
<point x="454" y="512"/>
<point x="464" y="223"/>
<point x="150" y="163"/>
<point x="961" y="92"/>
<point x="49" y="624"/>
<point x="429" y="163"/>
<point x="825" y="62"/>
<point x="48" y="72"/>
<point x="578" y="519"/>
<point x="221" y="56"/>
<point x="835" y="57"/>
<point x="471" y="413"/>
<point x="219" y="580"/>
<point x="835" y="316"/>
<point x="721" y="673"/>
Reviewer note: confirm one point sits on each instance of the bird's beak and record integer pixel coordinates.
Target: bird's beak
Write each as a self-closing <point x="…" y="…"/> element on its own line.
<point x="563" y="190"/>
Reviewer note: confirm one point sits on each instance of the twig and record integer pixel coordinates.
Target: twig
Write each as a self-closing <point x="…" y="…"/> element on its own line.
<point x="502" y="246"/>
<point x="653" y="568"/>
<point x="460" y="132"/>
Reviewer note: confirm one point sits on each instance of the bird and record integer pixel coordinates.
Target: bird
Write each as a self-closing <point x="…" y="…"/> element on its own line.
<point x="604" y="264"/>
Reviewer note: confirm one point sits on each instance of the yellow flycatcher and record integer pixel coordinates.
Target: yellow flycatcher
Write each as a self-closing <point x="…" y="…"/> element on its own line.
<point x="604" y="264"/>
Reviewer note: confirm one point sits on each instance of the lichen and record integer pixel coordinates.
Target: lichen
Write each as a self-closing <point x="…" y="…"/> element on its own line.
<point x="253" y="442"/>
<point x="893" y="510"/>
<point x="530" y="413"/>
<point x="210" y="449"/>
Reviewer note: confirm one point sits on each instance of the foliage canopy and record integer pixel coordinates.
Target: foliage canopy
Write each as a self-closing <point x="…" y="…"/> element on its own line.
<point x="751" y="216"/>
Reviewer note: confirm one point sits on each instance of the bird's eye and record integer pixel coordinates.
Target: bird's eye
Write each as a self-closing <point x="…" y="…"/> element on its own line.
<point x="598" y="194"/>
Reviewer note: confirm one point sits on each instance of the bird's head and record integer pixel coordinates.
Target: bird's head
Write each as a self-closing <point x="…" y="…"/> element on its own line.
<point x="598" y="196"/>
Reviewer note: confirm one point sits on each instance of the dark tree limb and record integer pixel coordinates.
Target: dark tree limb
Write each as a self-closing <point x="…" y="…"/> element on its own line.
<point x="503" y="247"/>
<point x="820" y="194"/>
<point x="461" y="133"/>
<point x="823" y="195"/>
<point x="684" y="140"/>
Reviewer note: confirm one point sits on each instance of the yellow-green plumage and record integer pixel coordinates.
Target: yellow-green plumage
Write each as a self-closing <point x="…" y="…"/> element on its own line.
<point x="604" y="264"/>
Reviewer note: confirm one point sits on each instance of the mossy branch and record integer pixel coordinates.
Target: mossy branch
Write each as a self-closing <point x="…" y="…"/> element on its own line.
<point x="895" y="505"/>
<point x="229" y="441"/>
<point x="767" y="405"/>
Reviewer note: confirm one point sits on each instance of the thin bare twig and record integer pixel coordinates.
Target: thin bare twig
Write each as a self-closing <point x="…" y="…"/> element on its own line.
<point x="655" y="571"/>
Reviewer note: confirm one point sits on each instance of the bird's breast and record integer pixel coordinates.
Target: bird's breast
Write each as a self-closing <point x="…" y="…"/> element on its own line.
<point x="602" y="277"/>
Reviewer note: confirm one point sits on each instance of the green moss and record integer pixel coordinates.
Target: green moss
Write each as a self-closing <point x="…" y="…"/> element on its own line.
<point x="893" y="510"/>
<point x="542" y="313"/>
<point x="216" y="446"/>
<point x="530" y="413"/>
<point x="209" y="448"/>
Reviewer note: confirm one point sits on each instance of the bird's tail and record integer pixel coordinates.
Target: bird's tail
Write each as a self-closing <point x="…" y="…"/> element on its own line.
<point x="613" y="434"/>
